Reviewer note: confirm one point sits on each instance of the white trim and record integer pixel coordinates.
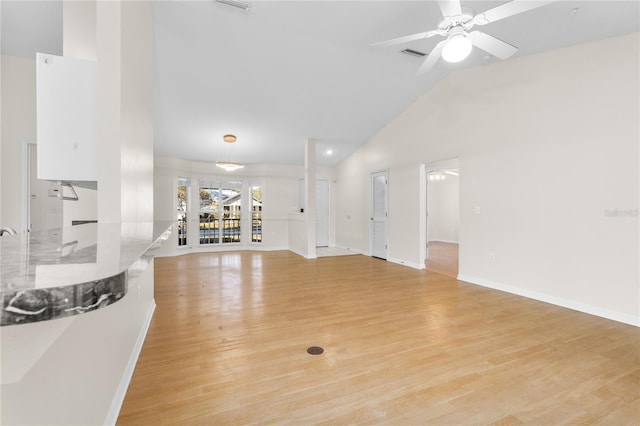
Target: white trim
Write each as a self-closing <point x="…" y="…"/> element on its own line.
<point x="182" y="250"/>
<point x="405" y="263"/>
<point x="444" y="241"/>
<point x="298" y="252"/>
<point x="363" y="252"/>
<point x="25" y="185"/>
<point x="558" y="301"/>
<point x="118" y="398"/>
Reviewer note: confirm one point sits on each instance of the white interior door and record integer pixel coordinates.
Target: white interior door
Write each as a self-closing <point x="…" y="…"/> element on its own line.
<point x="379" y="216"/>
<point x="322" y="213"/>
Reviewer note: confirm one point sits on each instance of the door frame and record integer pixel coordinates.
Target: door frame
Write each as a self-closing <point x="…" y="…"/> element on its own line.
<point x="385" y="219"/>
<point x="25" y="186"/>
<point x="446" y="167"/>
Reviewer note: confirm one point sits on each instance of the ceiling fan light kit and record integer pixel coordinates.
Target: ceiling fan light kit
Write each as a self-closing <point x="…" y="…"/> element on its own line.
<point x="456" y="26"/>
<point x="457" y="48"/>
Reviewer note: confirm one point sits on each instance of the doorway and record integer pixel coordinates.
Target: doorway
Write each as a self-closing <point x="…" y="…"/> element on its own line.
<point x="379" y="216"/>
<point x="43" y="207"/>
<point x="443" y="217"/>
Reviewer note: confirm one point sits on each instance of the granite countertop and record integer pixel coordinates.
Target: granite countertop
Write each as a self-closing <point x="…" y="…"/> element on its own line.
<point x="67" y="271"/>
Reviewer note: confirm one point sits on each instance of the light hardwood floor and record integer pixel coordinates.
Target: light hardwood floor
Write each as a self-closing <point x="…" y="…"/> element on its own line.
<point x="443" y="258"/>
<point x="227" y="345"/>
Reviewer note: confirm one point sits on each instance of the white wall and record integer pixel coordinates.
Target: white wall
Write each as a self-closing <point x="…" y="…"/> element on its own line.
<point x="406" y="205"/>
<point x="18" y="127"/>
<point x="443" y="207"/>
<point x="547" y="144"/>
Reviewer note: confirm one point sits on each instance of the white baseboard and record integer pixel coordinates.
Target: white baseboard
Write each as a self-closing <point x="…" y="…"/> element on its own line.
<point x="353" y="250"/>
<point x="444" y="241"/>
<point x="204" y="249"/>
<point x="405" y="263"/>
<point x="558" y="301"/>
<point x="118" y="399"/>
<point x="298" y="252"/>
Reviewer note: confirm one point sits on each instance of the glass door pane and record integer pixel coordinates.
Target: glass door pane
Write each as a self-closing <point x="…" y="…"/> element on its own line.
<point x="209" y="215"/>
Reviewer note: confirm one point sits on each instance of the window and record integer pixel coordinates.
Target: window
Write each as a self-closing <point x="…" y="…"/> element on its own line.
<point x="220" y="206"/>
<point x="182" y="209"/>
<point x="256" y="213"/>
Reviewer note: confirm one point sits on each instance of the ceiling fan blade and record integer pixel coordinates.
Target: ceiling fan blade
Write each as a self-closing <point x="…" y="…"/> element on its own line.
<point x="432" y="58"/>
<point x="450" y="7"/>
<point x="401" y="40"/>
<point x="492" y="45"/>
<point x="508" y="9"/>
<point x="412" y="37"/>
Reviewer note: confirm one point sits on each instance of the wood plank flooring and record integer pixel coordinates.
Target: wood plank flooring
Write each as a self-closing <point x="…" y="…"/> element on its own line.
<point x="227" y="345"/>
<point x="443" y="258"/>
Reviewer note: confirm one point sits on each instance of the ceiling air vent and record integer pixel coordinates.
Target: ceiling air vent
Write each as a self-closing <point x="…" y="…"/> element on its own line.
<point x="235" y="3"/>
<point x="413" y="52"/>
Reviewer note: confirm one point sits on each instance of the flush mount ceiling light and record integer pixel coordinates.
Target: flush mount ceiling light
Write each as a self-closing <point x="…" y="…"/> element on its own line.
<point x="458" y="47"/>
<point x="229" y="166"/>
<point x="229" y="138"/>
<point x="235" y="3"/>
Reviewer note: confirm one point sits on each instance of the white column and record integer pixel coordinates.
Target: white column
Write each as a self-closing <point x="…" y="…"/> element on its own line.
<point x="125" y="124"/>
<point x="245" y="213"/>
<point x="108" y="76"/>
<point x="310" y="197"/>
<point x="136" y="120"/>
<point x="79" y="29"/>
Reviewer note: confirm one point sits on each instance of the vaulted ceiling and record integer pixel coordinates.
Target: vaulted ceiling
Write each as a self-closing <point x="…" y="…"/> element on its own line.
<point x="285" y="71"/>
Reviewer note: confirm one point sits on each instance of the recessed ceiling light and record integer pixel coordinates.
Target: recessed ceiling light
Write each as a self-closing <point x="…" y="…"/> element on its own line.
<point x="329" y="152"/>
<point x="229" y="138"/>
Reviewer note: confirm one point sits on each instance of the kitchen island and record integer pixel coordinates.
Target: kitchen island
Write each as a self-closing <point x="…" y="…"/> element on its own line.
<point x="62" y="272"/>
<point x="77" y="303"/>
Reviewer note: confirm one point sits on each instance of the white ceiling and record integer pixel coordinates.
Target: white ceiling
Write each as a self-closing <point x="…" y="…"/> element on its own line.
<point x="286" y="71"/>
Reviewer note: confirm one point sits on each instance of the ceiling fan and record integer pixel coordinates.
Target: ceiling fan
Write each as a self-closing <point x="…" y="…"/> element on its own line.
<point x="456" y="27"/>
